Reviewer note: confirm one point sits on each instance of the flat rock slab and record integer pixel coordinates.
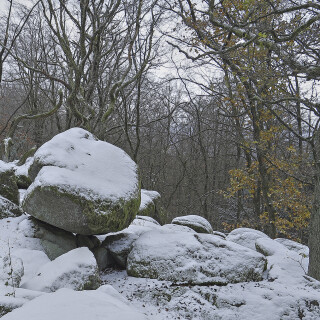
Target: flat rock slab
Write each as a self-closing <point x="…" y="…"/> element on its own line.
<point x="83" y="185"/>
<point x="191" y="258"/>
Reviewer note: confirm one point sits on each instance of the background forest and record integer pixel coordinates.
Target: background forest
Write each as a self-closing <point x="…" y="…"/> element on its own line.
<point x="215" y="100"/>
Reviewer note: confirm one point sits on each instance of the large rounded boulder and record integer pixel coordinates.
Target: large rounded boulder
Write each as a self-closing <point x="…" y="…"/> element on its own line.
<point x="83" y="185"/>
<point x="193" y="258"/>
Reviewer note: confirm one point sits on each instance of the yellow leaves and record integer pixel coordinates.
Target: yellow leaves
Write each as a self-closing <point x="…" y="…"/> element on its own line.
<point x="291" y="149"/>
<point x="240" y="180"/>
<point x="287" y="195"/>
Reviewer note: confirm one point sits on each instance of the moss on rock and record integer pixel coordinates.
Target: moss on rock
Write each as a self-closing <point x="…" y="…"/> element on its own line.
<point x="77" y="214"/>
<point x="8" y="186"/>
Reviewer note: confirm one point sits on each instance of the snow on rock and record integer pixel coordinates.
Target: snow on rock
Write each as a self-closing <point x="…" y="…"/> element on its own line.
<point x="76" y="270"/>
<point x="293" y="245"/>
<point x="8" y="209"/>
<point x="17" y="233"/>
<point x="170" y="227"/>
<point x="220" y="234"/>
<point x="246" y="237"/>
<point x="12" y="298"/>
<point x="69" y="304"/>
<point x="119" y="244"/>
<point x="6" y="166"/>
<point x="83" y="185"/>
<point x="197" y="223"/>
<point x="183" y="257"/>
<point x="32" y="261"/>
<point x="264" y="300"/>
<point x="147" y="198"/>
<point x="144" y="221"/>
<point x="148" y="202"/>
<point x="282" y="263"/>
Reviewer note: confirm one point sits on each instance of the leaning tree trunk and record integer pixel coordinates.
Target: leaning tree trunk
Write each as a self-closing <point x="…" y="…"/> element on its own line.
<point x="314" y="234"/>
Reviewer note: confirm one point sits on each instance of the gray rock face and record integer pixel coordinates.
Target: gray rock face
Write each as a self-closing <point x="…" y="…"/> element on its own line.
<point x="193" y="258"/>
<point x="104" y="258"/>
<point x="119" y="245"/>
<point x="197" y="223"/>
<point x="90" y="242"/>
<point x="83" y="185"/>
<point x="9" y="209"/>
<point x="54" y="241"/>
<point x="8" y="186"/>
<point x="75" y="270"/>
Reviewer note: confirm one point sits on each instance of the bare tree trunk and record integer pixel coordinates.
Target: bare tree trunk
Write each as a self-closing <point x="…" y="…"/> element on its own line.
<point x="314" y="234"/>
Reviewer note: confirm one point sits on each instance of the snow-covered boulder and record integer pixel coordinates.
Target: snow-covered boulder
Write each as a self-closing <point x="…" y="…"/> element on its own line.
<point x="144" y="221"/>
<point x="293" y="245"/>
<point x="170" y="227"/>
<point x="69" y="304"/>
<point x="11" y="270"/>
<point x="282" y="262"/>
<point x="76" y="270"/>
<point x="148" y="203"/>
<point x="83" y="185"/>
<point x="119" y="244"/>
<point x="197" y="223"/>
<point x="8" y="185"/>
<point x="8" y="209"/>
<point x="193" y="258"/>
<point x="246" y="237"/>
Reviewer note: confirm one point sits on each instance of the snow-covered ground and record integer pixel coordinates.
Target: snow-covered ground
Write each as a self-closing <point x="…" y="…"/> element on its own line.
<point x="286" y="293"/>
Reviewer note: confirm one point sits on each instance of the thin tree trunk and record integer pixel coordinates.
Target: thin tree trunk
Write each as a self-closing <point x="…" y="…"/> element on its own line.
<point x="314" y="234"/>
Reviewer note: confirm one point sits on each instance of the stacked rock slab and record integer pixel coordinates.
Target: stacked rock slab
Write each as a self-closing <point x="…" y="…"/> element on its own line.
<point x="83" y="185"/>
<point x="54" y="241"/>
